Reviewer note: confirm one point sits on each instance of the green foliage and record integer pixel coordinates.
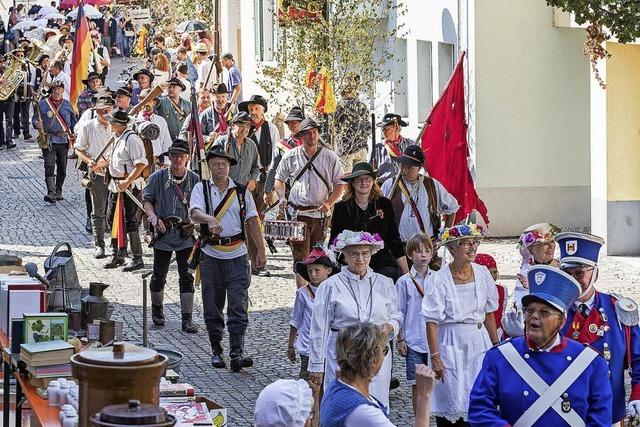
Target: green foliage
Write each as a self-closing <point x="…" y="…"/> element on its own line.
<point x="354" y="41"/>
<point x="620" y="17"/>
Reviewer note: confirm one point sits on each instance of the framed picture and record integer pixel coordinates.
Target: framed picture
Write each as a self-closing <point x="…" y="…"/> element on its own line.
<point x="43" y="327"/>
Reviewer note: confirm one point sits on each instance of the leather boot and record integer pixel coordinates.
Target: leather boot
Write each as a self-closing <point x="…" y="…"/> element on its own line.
<point x="238" y="359"/>
<point x="99" y="252"/>
<point x="51" y="189"/>
<point x="186" y="308"/>
<point x="135" y="243"/>
<point x="116" y="260"/>
<point x="157" y="304"/>
<point x="59" y="194"/>
<point x="87" y="226"/>
<point x="217" y="361"/>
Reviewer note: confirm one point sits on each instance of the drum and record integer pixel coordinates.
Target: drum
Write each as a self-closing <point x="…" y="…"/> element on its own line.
<point x="284" y="230"/>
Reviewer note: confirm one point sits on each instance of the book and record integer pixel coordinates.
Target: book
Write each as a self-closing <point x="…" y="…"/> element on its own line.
<point x="189" y="413"/>
<point x="46" y="353"/>
<point x="176" y="399"/>
<point x="60" y="370"/>
<point x="176" y="390"/>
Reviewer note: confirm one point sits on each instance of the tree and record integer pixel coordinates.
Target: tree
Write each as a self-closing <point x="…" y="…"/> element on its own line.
<point x="604" y="19"/>
<point x="326" y="45"/>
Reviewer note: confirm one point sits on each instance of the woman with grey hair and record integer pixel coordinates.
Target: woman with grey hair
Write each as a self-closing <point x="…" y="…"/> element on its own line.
<point x="458" y="305"/>
<point x="355" y="294"/>
<point x="361" y="349"/>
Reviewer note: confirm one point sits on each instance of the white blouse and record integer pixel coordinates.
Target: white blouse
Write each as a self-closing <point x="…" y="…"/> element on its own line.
<point x="343" y="300"/>
<point x="445" y="302"/>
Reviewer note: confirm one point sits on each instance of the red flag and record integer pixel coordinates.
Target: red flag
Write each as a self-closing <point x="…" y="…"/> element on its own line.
<point x="444" y="143"/>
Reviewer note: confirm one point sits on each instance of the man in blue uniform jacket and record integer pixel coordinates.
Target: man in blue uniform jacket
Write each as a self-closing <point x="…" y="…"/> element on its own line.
<point x="606" y="322"/>
<point x="543" y="378"/>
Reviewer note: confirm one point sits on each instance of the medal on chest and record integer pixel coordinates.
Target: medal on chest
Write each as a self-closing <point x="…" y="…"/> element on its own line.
<point x="566" y="403"/>
<point x="590" y="329"/>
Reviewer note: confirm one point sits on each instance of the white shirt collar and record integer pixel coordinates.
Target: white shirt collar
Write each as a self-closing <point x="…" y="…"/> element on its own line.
<point x="350" y="275"/>
<point x="589" y="303"/>
<point x="417" y="275"/>
<point x="556" y="343"/>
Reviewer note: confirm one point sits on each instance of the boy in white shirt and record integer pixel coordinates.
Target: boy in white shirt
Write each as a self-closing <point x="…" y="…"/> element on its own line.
<point x="412" y="337"/>
<point x="315" y="269"/>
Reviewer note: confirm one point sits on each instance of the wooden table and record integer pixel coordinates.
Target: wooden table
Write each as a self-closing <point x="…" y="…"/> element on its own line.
<point x="48" y="416"/>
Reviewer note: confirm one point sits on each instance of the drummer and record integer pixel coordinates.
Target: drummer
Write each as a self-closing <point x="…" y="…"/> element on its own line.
<point x="606" y="322"/>
<point x="314" y="174"/>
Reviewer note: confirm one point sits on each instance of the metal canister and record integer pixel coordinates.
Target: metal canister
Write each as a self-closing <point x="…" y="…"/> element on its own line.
<point x="117" y="374"/>
<point x="133" y="413"/>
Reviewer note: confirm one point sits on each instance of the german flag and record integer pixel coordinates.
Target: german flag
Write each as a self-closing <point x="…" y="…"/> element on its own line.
<point x="82" y="47"/>
<point x="118" y="232"/>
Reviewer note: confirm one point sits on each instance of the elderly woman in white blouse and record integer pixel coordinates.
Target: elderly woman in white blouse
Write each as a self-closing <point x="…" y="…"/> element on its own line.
<point x="458" y="305"/>
<point x="354" y="295"/>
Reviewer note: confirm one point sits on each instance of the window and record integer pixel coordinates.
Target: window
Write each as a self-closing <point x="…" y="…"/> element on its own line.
<point x="445" y="64"/>
<point x="425" y="79"/>
<point x="399" y="78"/>
<point x="264" y="29"/>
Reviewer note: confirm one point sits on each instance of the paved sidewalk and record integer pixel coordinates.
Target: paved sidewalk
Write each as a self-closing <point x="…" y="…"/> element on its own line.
<point x="30" y="228"/>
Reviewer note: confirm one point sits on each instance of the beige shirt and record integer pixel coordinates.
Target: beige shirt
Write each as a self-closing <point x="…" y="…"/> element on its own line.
<point x="310" y="190"/>
<point x="128" y="151"/>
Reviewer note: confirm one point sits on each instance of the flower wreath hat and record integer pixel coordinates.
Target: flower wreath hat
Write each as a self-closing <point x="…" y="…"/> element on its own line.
<point x="538" y="233"/>
<point x="353" y="238"/>
<point x="462" y="231"/>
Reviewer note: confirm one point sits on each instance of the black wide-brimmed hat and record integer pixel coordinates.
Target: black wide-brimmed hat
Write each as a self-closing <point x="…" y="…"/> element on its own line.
<point x="295" y="115"/>
<point x="219" y="151"/>
<point x="92" y="75"/>
<point x="174" y="81"/>
<point x="179" y="146"/>
<point x="306" y="125"/>
<point x="241" y="117"/>
<point x="255" y="99"/>
<point x="318" y="255"/>
<point x="390" y="118"/>
<point x="54" y="85"/>
<point x="146" y="73"/>
<point x="124" y="90"/>
<point x="412" y="156"/>
<point x="220" y="89"/>
<point x="359" y="169"/>
<point x="119" y="117"/>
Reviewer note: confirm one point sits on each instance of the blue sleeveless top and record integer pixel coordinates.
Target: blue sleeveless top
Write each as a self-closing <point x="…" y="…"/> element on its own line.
<point x="339" y="401"/>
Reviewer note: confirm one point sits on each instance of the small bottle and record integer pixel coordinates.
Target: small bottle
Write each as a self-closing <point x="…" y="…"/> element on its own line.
<point x="70" y="418"/>
<point x="53" y="393"/>
<point x="62" y="393"/>
<point x="63" y="411"/>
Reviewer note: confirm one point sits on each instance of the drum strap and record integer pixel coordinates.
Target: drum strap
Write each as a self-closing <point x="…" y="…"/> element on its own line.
<point x="550" y="395"/>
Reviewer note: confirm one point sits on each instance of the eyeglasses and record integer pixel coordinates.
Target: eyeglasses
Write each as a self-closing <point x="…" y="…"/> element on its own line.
<point x="470" y="243"/>
<point x="578" y="274"/>
<point x="363" y="254"/>
<point x="542" y="313"/>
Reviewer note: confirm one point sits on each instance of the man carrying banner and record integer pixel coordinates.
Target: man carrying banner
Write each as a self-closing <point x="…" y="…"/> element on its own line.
<point x="228" y="210"/>
<point x="391" y="147"/>
<point x="56" y="119"/>
<point x="418" y="201"/>
<point x="128" y="159"/>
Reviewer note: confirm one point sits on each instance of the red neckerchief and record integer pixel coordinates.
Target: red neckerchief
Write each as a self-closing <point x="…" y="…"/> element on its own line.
<point x="222" y="121"/>
<point x="56" y="103"/>
<point x="296" y="141"/>
<point x="147" y="116"/>
<point x="395" y="145"/>
<point x="257" y="125"/>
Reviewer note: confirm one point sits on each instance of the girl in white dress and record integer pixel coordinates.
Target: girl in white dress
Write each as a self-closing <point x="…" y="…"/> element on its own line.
<point x="458" y="305"/>
<point x="354" y="295"/>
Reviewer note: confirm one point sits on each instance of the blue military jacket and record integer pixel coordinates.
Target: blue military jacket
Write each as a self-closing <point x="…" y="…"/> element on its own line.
<point x="500" y="396"/>
<point x="602" y="331"/>
<point x="52" y="126"/>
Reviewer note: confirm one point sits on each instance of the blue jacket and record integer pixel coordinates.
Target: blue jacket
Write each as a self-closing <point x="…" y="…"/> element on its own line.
<point x="338" y="403"/>
<point x="499" y="396"/>
<point x="51" y="125"/>
<point x="612" y="345"/>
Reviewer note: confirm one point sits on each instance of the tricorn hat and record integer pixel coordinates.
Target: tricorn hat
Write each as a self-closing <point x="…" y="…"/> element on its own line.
<point x="219" y="151"/>
<point x="390" y="118"/>
<point x="179" y="146"/>
<point x="220" y="89"/>
<point x="146" y="73"/>
<point x="119" y="116"/>
<point x="255" y="99"/>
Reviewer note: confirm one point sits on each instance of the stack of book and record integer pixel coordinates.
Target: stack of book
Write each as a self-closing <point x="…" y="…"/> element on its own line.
<point x="180" y="401"/>
<point x="48" y="359"/>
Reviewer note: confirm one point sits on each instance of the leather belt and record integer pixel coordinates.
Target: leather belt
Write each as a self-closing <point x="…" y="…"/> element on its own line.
<point x="225" y="241"/>
<point x="303" y="208"/>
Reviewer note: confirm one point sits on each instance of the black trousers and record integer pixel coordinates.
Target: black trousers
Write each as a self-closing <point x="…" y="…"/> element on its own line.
<point x="21" y="118"/>
<point x="130" y="208"/>
<point x="161" y="261"/>
<point x="443" y="422"/>
<point x="6" y="121"/>
<point x="55" y="163"/>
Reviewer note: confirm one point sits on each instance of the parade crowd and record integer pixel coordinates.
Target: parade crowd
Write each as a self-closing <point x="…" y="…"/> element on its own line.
<point x="364" y="232"/>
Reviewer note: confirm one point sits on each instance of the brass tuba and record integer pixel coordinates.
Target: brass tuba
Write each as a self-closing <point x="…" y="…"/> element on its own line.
<point x="13" y="75"/>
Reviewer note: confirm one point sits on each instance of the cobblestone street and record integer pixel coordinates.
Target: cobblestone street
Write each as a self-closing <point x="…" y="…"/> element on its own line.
<point x="30" y="228"/>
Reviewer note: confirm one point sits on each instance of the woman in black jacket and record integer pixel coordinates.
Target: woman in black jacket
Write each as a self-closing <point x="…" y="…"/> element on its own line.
<point x="364" y="208"/>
